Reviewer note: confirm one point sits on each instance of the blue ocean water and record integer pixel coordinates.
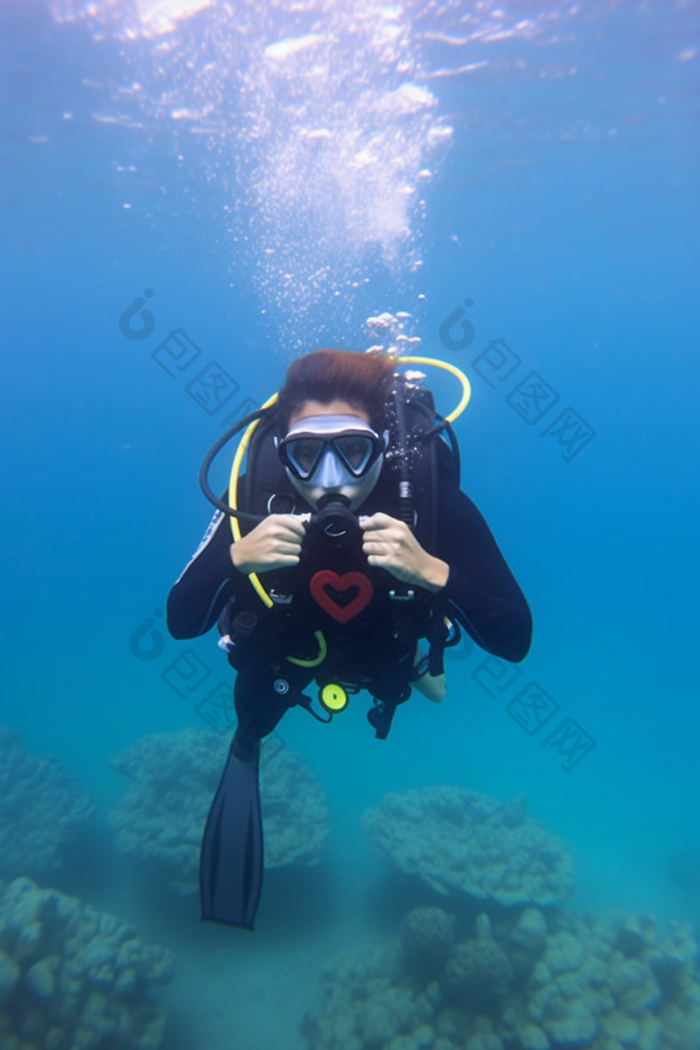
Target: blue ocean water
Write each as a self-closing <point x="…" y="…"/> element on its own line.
<point x="277" y="176"/>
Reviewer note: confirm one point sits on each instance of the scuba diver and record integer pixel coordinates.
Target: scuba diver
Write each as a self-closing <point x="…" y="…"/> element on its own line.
<point x="350" y="510"/>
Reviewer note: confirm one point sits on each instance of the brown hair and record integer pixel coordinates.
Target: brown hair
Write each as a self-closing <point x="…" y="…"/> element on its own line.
<point x="328" y="375"/>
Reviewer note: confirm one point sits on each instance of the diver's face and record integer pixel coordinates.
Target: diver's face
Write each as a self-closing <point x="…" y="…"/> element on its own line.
<point x="331" y="474"/>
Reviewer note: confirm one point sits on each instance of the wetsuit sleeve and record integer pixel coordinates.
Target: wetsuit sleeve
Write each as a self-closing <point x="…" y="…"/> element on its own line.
<point x="207" y="582"/>
<point x="481" y="590"/>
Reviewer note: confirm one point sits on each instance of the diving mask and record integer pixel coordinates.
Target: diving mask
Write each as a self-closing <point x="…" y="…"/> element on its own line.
<point x="330" y="453"/>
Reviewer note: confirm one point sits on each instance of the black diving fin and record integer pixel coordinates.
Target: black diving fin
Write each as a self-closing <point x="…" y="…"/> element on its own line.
<point x="231" y="859"/>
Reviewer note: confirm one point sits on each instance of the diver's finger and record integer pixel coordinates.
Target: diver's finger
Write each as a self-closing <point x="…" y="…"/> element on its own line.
<point x="386" y="539"/>
<point x="376" y="521"/>
<point x="381" y="562"/>
<point x="288" y="535"/>
<point x="290" y="520"/>
<point x="286" y="527"/>
<point x="293" y="524"/>
<point x="379" y="547"/>
<point x="288" y="559"/>
<point x="287" y="548"/>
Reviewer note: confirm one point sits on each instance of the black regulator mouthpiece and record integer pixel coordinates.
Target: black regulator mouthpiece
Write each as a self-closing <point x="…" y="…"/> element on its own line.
<point x="335" y="521"/>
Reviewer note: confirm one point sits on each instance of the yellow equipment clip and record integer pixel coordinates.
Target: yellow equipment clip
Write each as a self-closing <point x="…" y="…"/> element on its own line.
<point x="315" y="660"/>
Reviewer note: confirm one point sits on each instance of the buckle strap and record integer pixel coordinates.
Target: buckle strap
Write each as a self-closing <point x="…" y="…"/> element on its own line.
<point x="437" y="635"/>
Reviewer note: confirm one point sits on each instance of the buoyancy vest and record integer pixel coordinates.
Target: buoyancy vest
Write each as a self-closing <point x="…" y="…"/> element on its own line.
<point x="334" y="617"/>
<point x="365" y="622"/>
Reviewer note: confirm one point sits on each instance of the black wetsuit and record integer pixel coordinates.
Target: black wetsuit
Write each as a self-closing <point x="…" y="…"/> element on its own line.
<point x="312" y="632"/>
<point x="481" y="594"/>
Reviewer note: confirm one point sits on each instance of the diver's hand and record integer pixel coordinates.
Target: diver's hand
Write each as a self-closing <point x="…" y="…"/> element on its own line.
<point x="390" y="544"/>
<point x="273" y="544"/>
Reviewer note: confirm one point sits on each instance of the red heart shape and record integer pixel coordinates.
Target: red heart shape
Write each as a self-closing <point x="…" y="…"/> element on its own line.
<point x="342" y="613"/>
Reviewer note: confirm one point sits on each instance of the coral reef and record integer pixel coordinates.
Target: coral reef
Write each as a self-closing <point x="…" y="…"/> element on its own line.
<point x="457" y="839"/>
<point x="39" y="810"/>
<point x="73" y="978"/>
<point x="174" y="776"/>
<point x="598" y="982"/>
<point x="426" y="935"/>
<point x="478" y="971"/>
<point x="595" y="985"/>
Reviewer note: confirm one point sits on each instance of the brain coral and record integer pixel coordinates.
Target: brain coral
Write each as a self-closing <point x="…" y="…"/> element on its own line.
<point x="426" y="937"/>
<point x="478" y="970"/>
<point x="457" y="839"/>
<point x="73" y="978"/>
<point x="39" y="809"/>
<point x="173" y="779"/>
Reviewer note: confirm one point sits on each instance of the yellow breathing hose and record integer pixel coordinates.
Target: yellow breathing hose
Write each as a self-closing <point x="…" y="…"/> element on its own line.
<point x="466" y="385"/>
<point x="250" y="430"/>
<point x="233" y="496"/>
